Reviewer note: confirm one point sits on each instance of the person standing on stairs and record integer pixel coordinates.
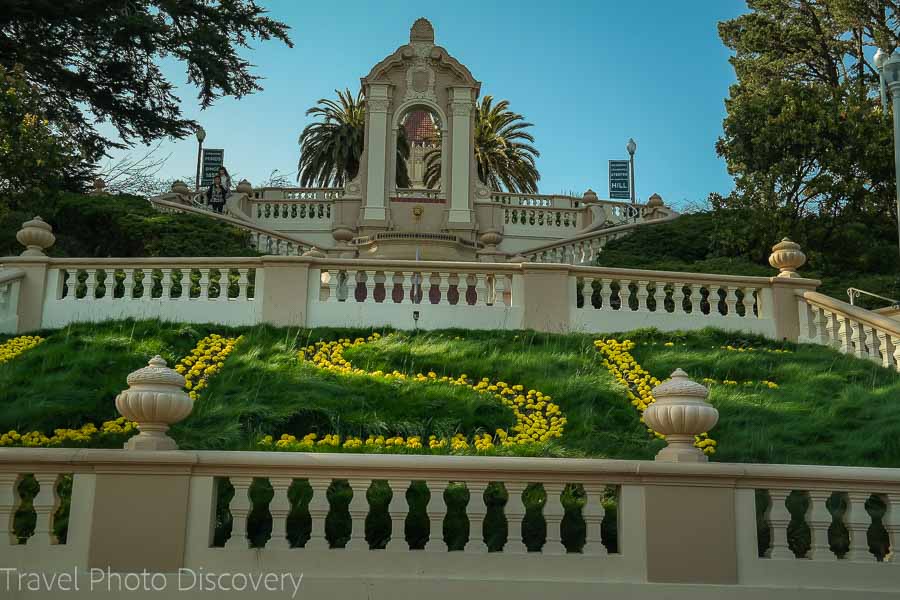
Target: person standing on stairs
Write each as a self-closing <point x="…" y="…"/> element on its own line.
<point x="216" y="195"/>
<point x="226" y="179"/>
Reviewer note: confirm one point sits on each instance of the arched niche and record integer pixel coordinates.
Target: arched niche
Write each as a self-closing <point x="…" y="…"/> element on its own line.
<point x="419" y="74"/>
<point x="400" y="124"/>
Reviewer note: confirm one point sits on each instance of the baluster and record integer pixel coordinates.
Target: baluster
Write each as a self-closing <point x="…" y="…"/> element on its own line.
<point x="332" y="281"/>
<point x="476" y="512"/>
<point x="146" y="283"/>
<point x="243" y="284"/>
<point x="696" y="299"/>
<point x="678" y="298"/>
<point x="731" y="301"/>
<point x="370" y="286"/>
<point x="444" y="288"/>
<point x="45" y="504"/>
<point x="858" y="521"/>
<point x="90" y="284"/>
<point x="751" y="308"/>
<point x="896" y="342"/>
<point x="166" y="283"/>
<point x="891" y="521"/>
<point x="318" y="512"/>
<point x="779" y="518"/>
<point x="820" y="322"/>
<point x="204" y="284"/>
<point x="280" y="508"/>
<point x="870" y="345"/>
<point x="858" y="339"/>
<point x="605" y="293"/>
<point x="884" y="348"/>
<point x="515" y="513"/>
<point x="587" y="292"/>
<point x="128" y="284"/>
<point x="9" y="504"/>
<point x="359" y="508"/>
<point x="480" y="290"/>
<point x="240" y="508"/>
<point x="845" y="334"/>
<point x="593" y="513"/>
<point x="553" y="515"/>
<point x="831" y="328"/>
<point x="398" y="510"/>
<point x="819" y="522"/>
<point x="436" y="510"/>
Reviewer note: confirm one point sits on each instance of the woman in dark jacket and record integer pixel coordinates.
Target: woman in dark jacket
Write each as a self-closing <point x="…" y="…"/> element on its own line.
<point x="216" y="195"/>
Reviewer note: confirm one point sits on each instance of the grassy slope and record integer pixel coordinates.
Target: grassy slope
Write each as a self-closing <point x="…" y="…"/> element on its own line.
<point x="829" y="408"/>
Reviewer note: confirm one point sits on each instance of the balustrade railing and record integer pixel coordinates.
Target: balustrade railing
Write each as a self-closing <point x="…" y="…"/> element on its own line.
<point x="10" y="287"/>
<point x="536" y="200"/>
<point x="426" y="193"/>
<point x="174" y="289"/>
<point x="311" y="194"/>
<point x="583" y="248"/>
<point x="289" y="213"/>
<point x="849" y="329"/>
<point x="623" y="299"/>
<point x="515" y="219"/>
<point x="382" y="520"/>
<point x="430" y="295"/>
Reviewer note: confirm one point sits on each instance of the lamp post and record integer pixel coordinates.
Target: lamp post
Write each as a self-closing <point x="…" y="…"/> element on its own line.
<point x="201" y="135"/>
<point x="888" y="66"/>
<point x="631" y="147"/>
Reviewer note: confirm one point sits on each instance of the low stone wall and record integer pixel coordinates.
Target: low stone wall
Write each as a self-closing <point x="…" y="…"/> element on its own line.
<point x="681" y="530"/>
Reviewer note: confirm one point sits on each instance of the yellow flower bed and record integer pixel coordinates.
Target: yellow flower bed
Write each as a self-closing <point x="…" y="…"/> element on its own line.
<point x="86" y="434"/>
<point x="17" y="345"/>
<point x="204" y="361"/>
<point x="538" y="419"/>
<point x="625" y="369"/>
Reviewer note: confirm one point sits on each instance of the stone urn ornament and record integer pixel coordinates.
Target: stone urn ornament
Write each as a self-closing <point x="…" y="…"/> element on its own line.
<point x="490" y="238"/>
<point x="244" y="187"/>
<point x="36" y="235"/>
<point x="179" y="187"/>
<point x="155" y="399"/>
<point x="787" y="257"/>
<point x="680" y="412"/>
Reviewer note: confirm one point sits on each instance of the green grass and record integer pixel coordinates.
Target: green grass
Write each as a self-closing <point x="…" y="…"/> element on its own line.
<point x="828" y="408"/>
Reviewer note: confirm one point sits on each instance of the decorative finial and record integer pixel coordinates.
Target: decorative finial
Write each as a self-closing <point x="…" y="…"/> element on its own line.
<point x="787" y="257"/>
<point x="155" y="399"/>
<point x="421" y="31"/>
<point x="680" y="412"/>
<point x="36" y="235"/>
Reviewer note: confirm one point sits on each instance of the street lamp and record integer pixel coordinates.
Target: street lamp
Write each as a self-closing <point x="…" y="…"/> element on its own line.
<point x="201" y="135"/>
<point x="888" y="65"/>
<point x="631" y="147"/>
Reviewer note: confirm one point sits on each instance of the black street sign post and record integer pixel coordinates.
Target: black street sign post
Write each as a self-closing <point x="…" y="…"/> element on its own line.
<point x="619" y="180"/>
<point x="213" y="158"/>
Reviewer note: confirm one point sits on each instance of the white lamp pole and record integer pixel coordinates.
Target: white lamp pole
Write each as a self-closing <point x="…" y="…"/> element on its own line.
<point x="201" y="135"/>
<point x="888" y="66"/>
<point x="631" y="147"/>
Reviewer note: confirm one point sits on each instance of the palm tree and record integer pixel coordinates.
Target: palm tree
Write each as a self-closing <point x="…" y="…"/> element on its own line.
<point x="330" y="148"/>
<point x="503" y="151"/>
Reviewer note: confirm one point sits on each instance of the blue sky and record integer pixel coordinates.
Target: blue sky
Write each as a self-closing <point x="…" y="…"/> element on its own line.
<point x="589" y="75"/>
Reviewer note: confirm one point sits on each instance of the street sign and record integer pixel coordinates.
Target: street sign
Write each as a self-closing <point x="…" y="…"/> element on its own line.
<point x="213" y="158"/>
<point x="619" y="180"/>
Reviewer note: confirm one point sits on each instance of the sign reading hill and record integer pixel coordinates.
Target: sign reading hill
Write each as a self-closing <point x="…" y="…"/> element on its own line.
<point x="619" y="182"/>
